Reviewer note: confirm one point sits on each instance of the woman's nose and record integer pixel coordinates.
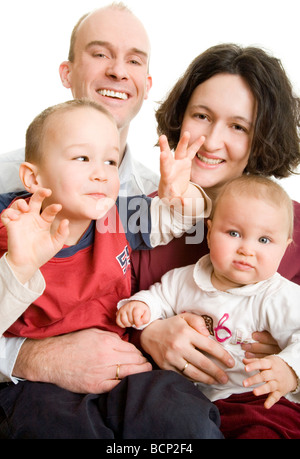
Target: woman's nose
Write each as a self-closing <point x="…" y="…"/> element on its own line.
<point x="214" y="138"/>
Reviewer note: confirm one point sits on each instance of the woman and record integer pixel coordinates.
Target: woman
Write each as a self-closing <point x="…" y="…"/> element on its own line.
<point x="242" y="101"/>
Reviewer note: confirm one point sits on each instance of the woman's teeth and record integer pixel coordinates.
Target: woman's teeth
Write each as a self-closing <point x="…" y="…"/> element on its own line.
<point x="211" y="161"/>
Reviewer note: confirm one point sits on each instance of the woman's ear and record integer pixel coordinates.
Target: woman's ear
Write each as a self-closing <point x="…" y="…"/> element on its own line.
<point x="29" y="176"/>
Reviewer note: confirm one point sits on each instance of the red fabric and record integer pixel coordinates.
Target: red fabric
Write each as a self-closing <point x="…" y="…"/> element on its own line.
<point x="244" y="416"/>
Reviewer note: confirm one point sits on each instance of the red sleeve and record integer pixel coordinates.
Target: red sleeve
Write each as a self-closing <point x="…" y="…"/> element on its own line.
<point x="290" y="264"/>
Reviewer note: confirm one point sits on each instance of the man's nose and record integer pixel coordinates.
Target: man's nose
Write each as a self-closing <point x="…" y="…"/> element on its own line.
<point x="116" y="69"/>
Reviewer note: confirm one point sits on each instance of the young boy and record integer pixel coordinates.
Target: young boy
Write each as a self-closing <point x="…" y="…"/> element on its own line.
<point x="237" y="289"/>
<point x="71" y="170"/>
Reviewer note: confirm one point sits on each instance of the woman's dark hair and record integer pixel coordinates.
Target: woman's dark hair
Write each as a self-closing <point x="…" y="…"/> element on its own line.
<point x="275" y="146"/>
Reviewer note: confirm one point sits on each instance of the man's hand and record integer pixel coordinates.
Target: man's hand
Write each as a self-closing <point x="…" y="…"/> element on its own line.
<point x="85" y="361"/>
<point x="179" y="340"/>
<point x="30" y="240"/>
<point x="265" y="345"/>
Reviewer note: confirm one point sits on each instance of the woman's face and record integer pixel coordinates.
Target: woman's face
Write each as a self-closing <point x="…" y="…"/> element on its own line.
<point x="223" y="109"/>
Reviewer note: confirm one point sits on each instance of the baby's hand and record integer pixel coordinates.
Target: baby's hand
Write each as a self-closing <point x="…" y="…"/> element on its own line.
<point x="277" y="378"/>
<point x="132" y="313"/>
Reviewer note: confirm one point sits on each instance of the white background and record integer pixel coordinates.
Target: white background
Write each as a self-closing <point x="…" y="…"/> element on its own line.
<point x="34" y="40"/>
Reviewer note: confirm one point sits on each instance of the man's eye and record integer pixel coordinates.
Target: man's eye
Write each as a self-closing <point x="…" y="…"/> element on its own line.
<point x="234" y="233"/>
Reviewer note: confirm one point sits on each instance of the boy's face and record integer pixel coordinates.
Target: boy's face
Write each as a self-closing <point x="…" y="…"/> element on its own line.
<point x="247" y="239"/>
<point x="80" y="154"/>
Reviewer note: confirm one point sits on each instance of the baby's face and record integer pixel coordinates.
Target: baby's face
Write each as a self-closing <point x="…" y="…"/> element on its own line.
<point x="80" y="162"/>
<point x="247" y="240"/>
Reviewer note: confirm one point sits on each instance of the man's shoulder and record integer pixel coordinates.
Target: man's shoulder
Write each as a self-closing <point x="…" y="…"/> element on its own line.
<point x="9" y="170"/>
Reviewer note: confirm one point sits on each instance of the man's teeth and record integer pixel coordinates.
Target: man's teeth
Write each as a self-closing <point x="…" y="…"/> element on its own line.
<point x="116" y="95"/>
<point x="209" y="160"/>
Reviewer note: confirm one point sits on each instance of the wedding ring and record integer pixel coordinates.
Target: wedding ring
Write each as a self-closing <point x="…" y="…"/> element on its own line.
<point x="185" y="367"/>
<point x="117" y="372"/>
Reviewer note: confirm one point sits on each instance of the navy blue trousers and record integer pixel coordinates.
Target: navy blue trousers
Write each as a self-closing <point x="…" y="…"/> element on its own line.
<point x="155" y="405"/>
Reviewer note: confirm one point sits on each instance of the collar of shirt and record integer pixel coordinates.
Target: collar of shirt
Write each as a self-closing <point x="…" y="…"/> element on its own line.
<point x="202" y="277"/>
<point x="135" y="178"/>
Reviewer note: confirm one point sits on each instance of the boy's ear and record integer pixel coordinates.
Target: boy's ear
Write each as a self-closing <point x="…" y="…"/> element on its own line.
<point x="28" y="174"/>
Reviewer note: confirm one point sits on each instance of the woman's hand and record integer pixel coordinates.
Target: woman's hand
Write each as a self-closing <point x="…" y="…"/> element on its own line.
<point x="265" y="345"/>
<point x="181" y="339"/>
<point x="87" y="361"/>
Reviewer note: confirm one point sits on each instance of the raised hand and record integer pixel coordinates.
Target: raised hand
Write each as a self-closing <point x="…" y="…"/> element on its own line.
<point x="31" y="240"/>
<point x="176" y="169"/>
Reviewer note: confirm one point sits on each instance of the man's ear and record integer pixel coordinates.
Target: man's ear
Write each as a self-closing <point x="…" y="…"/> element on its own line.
<point x="65" y="74"/>
<point x="29" y="176"/>
<point x="148" y="86"/>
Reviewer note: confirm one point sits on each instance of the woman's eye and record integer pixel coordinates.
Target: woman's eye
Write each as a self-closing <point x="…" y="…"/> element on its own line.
<point x="238" y="127"/>
<point x="200" y="116"/>
<point x="234" y="233"/>
<point x="264" y="240"/>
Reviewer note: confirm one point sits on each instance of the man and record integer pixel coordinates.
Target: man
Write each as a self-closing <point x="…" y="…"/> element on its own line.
<point x="108" y="63"/>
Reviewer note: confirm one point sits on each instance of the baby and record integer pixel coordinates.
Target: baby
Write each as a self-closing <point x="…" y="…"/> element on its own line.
<point x="237" y="289"/>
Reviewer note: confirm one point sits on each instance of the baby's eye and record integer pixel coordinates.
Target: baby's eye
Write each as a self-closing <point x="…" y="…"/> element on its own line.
<point x="264" y="240"/>
<point x="234" y="233"/>
<point x="111" y="162"/>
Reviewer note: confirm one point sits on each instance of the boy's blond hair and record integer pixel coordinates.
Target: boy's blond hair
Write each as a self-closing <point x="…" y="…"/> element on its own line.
<point x="261" y="188"/>
<point x="36" y="130"/>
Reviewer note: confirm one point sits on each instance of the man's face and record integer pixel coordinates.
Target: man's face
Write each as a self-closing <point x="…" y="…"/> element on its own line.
<point x="111" y="64"/>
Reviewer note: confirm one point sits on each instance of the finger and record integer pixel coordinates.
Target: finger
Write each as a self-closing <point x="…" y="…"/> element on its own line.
<point x="37" y="199"/>
<point x="203" y="369"/>
<point x="259" y="350"/>
<point x="264" y="337"/>
<point x="257" y="364"/>
<point x="119" y="320"/>
<point x="181" y="150"/>
<point x="50" y="212"/>
<point x="62" y="233"/>
<point x="196" y="322"/>
<point x="272" y="399"/>
<point x="195" y="374"/>
<point x="107" y="385"/>
<point x="10" y="215"/>
<point x="127" y="370"/>
<point x="164" y="144"/>
<point x="194" y="148"/>
<point x="21" y="205"/>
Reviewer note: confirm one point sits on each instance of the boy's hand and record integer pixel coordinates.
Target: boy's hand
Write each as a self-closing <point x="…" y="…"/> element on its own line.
<point x="132" y="313"/>
<point x="176" y="170"/>
<point x="30" y="240"/>
<point x="277" y="378"/>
